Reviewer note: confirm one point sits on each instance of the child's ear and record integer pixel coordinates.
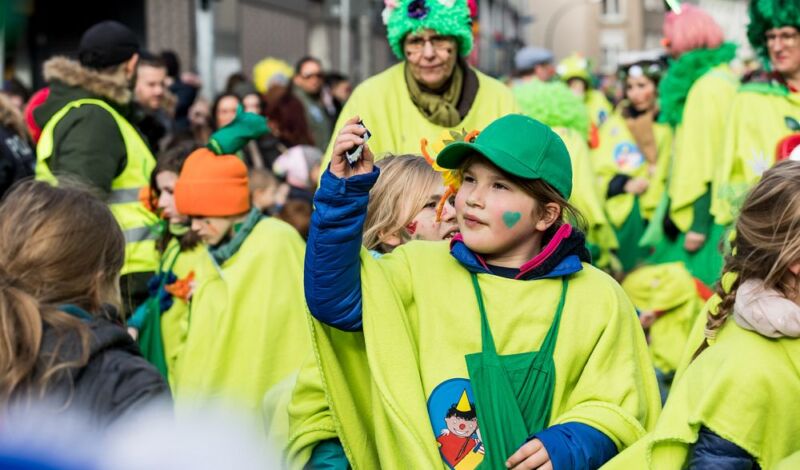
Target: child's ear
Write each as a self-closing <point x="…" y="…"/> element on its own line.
<point x="795" y="269"/>
<point x="391" y="239"/>
<point x="549" y="214"/>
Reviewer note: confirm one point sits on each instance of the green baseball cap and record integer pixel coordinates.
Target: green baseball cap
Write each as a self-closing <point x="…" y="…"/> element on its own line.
<point x="519" y="145"/>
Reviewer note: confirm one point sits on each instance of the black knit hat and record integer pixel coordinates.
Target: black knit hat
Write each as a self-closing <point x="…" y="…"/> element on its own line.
<point x="107" y="43"/>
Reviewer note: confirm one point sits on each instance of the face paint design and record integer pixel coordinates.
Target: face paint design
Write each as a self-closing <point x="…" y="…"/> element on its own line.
<point x="511" y="218"/>
<point x="412" y="228"/>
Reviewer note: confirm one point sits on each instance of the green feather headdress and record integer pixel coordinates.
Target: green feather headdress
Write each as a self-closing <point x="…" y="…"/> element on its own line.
<point x="446" y="17"/>
<point x="768" y="14"/>
<point x="554" y="104"/>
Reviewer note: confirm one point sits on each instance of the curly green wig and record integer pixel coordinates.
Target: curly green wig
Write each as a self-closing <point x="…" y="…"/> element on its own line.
<point x="768" y="14"/>
<point x="446" y="17"/>
<point x="554" y="104"/>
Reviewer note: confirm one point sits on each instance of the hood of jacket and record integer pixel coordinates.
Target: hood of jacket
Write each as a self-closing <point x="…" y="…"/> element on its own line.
<point x="69" y="81"/>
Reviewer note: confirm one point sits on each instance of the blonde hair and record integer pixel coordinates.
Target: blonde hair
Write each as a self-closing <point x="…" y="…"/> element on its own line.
<point x="400" y="194"/>
<point x="261" y="179"/>
<point x="11" y="117"/>
<point x="57" y="246"/>
<point x="767" y="239"/>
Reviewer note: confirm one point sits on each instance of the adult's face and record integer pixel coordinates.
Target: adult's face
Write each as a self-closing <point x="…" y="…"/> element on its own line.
<point x="150" y="87"/>
<point x="544" y="72"/>
<point x="430" y="57"/>
<point x="641" y="92"/>
<point x="310" y="78"/>
<point x="783" y="45"/>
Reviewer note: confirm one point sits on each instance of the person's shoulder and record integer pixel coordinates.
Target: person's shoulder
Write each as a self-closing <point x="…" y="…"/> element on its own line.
<point x="380" y="82"/>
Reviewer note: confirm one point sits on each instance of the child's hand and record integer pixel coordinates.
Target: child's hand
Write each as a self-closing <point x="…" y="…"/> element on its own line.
<point x="637" y="186"/>
<point x="349" y="138"/>
<point x="531" y="455"/>
<point x="694" y="241"/>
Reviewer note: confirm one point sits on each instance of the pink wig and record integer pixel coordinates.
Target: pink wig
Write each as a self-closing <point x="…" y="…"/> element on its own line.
<point x="690" y="29"/>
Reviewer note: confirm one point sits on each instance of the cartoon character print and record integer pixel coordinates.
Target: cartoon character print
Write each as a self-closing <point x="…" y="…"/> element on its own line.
<point x="628" y="157"/>
<point x="451" y="408"/>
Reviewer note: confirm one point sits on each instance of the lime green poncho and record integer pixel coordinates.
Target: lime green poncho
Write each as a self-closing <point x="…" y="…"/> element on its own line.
<point x="743" y="388"/>
<point x="390" y="386"/>
<point x="247" y="327"/>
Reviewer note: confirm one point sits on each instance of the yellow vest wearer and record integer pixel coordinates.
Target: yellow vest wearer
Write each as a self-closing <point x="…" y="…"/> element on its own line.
<point x="759" y="119"/>
<point x="397" y="126"/>
<point x="744" y="388"/>
<point x="247" y="327"/>
<point x="133" y="217"/>
<point x="420" y="316"/>
<point x="585" y="197"/>
<point x="619" y="154"/>
<point x="670" y="290"/>
<point x="699" y="141"/>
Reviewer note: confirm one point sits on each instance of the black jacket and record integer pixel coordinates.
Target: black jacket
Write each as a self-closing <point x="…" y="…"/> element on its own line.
<point x="17" y="159"/>
<point x="116" y="380"/>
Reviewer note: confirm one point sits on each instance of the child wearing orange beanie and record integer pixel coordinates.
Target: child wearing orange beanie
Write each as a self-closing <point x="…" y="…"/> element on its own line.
<point x="247" y="327"/>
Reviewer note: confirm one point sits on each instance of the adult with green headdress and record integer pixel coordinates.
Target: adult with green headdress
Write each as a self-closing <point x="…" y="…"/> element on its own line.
<point x="555" y="105"/>
<point x="632" y="159"/>
<point x="433" y="89"/>
<point x="695" y="99"/>
<point x="766" y="110"/>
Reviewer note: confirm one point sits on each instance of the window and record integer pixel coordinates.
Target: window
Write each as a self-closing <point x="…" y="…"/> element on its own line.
<point x="613" y="10"/>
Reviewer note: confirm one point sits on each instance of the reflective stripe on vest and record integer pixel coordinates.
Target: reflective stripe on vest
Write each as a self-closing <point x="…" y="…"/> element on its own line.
<point x="134" y="219"/>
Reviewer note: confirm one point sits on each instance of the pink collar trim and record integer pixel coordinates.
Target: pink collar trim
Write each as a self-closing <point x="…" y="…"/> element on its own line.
<point x="561" y="234"/>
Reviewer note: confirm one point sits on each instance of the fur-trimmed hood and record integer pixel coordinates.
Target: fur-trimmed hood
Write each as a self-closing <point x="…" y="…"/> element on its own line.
<point x="114" y="87"/>
<point x="70" y="81"/>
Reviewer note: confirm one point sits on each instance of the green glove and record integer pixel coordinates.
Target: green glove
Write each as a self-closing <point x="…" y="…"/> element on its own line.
<point x="233" y="137"/>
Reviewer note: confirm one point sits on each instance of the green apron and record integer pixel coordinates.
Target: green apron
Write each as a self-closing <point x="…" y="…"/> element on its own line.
<point x="514" y="393"/>
<point x="150" y="341"/>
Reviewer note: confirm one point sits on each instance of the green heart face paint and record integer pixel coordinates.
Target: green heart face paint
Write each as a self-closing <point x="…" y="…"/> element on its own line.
<point x="511" y="218"/>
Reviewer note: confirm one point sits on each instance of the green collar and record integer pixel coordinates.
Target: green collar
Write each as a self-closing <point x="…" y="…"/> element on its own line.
<point x="224" y="251"/>
<point x="682" y="73"/>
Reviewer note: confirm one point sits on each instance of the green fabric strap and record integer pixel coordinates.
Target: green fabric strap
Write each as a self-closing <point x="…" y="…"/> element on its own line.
<point x="702" y="214"/>
<point x="682" y="73"/>
<point x="513" y="393"/>
<point x="441" y="110"/>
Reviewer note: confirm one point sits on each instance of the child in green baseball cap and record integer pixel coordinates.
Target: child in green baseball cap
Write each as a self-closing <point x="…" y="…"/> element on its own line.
<point x="503" y="347"/>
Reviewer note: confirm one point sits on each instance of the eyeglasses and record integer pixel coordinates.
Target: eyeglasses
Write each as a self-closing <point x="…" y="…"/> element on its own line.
<point x="415" y="44"/>
<point x="786" y="38"/>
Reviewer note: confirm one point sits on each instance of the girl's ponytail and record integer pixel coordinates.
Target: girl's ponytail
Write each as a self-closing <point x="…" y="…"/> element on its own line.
<point x="20" y="336"/>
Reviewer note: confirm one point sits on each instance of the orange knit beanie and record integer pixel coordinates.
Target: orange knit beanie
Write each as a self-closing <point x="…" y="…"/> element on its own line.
<point x="212" y="185"/>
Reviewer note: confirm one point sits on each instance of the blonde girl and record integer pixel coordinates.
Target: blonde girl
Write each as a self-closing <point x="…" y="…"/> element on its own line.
<point x="62" y="339"/>
<point x="734" y="406"/>
<point x="402" y="205"/>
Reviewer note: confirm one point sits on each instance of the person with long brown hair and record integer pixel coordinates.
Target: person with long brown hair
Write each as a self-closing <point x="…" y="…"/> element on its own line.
<point x="734" y="405"/>
<point x="62" y="339"/>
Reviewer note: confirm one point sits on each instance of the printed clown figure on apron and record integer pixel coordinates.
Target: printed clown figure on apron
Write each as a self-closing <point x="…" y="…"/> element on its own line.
<point x="459" y="440"/>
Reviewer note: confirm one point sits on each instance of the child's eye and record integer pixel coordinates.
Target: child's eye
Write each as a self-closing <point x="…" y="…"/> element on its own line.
<point x="499" y="186"/>
<point x="430" y="205"/>
<point x="451" y="200"/>
<point x="469" y="179"/>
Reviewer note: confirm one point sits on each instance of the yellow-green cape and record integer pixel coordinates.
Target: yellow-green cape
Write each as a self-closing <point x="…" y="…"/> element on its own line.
<point x="670" y="290"/>
<point x="397" y="126"/>
<point x="743" y="388"/>
<point x="420" y="319"/>
<point x="598" y="107"/>
<point x="699" y="141"/>
<point x="759" y="118"/>
<point x="247" y="328"/>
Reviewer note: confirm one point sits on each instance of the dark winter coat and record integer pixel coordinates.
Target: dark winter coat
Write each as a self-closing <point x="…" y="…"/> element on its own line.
<point x="17" y="159"/>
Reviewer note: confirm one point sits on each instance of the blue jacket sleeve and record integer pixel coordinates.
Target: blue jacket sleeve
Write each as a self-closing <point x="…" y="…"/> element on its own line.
<point x="712" y="452"/>
<point x="332" y="278"/>
<point x="577" y="446"/>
